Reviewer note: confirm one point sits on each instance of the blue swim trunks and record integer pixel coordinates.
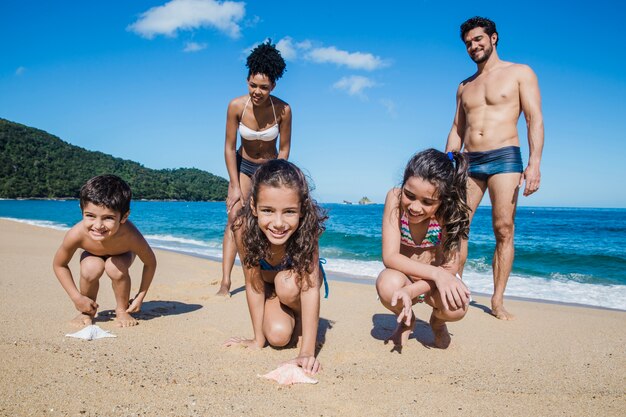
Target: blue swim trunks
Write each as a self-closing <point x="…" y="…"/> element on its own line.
<point x="483" y="165"/>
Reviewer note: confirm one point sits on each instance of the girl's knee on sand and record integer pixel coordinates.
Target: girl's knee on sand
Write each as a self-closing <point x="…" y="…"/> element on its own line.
<point x="388" y="281"/>
<point x="279" y="329"/>
<point x="450" y="315"/>
<point x="279" y="334"/>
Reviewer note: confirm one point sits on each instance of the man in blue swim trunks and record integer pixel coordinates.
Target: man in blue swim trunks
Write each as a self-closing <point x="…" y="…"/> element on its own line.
<point x="488" y="106"/>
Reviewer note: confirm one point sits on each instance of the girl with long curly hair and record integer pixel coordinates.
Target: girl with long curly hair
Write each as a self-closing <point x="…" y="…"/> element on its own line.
<point x="423" y="223"/>
<point x="277" y="233"/>
<point x="262" y="120"/>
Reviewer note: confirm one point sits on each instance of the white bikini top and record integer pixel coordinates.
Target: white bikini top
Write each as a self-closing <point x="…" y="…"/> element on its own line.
<point x="266" y="135"/>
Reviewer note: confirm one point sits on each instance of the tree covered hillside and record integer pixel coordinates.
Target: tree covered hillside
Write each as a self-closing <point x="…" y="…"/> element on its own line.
<point x="35" y="164"/>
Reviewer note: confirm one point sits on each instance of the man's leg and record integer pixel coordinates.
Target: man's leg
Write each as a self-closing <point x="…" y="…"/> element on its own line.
<point x="503" y="190"/>
<point x="475" y="192"/>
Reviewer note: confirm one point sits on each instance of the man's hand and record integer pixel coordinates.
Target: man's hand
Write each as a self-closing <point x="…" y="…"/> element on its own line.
<point x="532" y="176"/>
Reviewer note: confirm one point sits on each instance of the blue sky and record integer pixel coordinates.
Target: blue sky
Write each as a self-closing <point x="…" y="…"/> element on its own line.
<point x="369" y="83"/>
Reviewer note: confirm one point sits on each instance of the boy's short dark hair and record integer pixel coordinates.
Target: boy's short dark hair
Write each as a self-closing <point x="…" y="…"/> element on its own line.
<point x="108" y="191"/>
<point x="489" y="26"/>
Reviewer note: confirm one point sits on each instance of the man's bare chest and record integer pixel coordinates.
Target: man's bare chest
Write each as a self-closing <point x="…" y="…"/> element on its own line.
<point x="490" y="91"/>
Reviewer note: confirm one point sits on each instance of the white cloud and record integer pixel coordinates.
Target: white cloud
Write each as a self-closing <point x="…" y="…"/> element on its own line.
<point x="390" y="105"/>
<point x="194" y="47"/>
<point x="354" y="85"/>
<point x="287" y="48"/>
<point x="304" y="45"/>
<point x="253" y="22"/>
<point x="20" y="70"/>
<point x="354" y="60"/>
<point x="178" y="15"/>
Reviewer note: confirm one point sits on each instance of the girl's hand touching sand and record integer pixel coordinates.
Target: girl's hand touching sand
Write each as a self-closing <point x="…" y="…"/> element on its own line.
<point x="407" y="312"/>
<point x="308" y="363"/>
<point x="242" y="341"/>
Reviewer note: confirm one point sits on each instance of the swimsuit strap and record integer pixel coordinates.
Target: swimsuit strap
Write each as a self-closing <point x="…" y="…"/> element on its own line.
<point x="244" y="109"/>
<point x="405" y="232"/>
<point x="323" y="262"/>
<point x="246" y="106"/>
<point x="274" y="111"/>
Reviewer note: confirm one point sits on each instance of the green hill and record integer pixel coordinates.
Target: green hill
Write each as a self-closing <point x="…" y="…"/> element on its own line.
<point x="35" y="164"/>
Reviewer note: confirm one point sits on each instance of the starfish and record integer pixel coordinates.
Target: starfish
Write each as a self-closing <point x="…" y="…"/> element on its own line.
<point x="288" y="374"/>
<point x="90" y="333"/>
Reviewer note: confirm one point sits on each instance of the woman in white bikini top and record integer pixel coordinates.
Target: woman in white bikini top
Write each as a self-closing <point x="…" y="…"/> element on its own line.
<point x="262" y="120"/>
<point x="265" y="135"/>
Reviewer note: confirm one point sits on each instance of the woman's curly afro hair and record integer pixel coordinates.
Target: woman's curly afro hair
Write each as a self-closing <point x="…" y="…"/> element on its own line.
<point x="265" y="59"/>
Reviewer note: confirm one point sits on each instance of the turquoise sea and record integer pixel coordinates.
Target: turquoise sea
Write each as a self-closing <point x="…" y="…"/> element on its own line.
<point x="573" y="255"/>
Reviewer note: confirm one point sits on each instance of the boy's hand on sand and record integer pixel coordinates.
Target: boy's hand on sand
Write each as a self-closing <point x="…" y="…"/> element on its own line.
<point x="242" y="341"/>
<point x="308" y="363"/>
<point x="407" y="312"/>
<point x="86" y="305"/>
<point x="453" y="292"/>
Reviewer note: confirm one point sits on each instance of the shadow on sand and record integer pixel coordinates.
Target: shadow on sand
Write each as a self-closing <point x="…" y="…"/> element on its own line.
<point x="238" y="290"/>
<point x="482" y="307"/>
<point x="153" y="309"/>
<point x="385" y="324"/>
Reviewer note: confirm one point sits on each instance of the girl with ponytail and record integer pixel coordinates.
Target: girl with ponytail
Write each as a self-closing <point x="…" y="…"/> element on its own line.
<point x="423" y="223"/>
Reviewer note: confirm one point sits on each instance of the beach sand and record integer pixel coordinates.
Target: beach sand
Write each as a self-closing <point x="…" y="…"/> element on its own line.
<point x="554" y="360"/>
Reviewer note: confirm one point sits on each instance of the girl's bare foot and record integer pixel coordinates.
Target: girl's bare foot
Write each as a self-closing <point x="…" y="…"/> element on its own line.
<point x="124" y="319"/>
<point x="440" y="330"/>
<point x="82" y="320"/>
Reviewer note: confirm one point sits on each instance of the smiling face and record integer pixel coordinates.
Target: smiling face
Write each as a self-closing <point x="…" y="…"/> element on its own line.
<point x="278" y="211"/>
<point x="259" y="88"/>
<point x="479" y="45"/>
<point x="419" y="200"/>
<point x="101" y="222"/>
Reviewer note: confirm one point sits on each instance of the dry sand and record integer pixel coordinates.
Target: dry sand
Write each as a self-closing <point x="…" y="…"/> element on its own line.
<point x="554" y="360"/>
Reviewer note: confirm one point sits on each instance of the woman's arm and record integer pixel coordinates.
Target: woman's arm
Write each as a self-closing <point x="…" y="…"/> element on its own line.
<point x="284" y="146"/>
<point x="230" y="153"/>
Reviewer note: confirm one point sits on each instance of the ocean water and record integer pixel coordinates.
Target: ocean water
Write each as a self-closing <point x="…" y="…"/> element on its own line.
<point x="573" y="255"/>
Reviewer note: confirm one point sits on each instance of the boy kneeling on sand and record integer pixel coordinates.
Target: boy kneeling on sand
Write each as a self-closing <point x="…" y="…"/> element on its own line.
<point x="110" y="243"/>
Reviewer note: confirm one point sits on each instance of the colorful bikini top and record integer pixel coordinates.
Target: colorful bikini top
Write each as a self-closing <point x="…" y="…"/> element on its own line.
<point x="266" y="135"/>
<point x="432" y="238"/>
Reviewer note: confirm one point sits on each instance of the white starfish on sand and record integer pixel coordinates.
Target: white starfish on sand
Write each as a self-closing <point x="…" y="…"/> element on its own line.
<point x="288" y="374"/>
<point x="90" y="333"/>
